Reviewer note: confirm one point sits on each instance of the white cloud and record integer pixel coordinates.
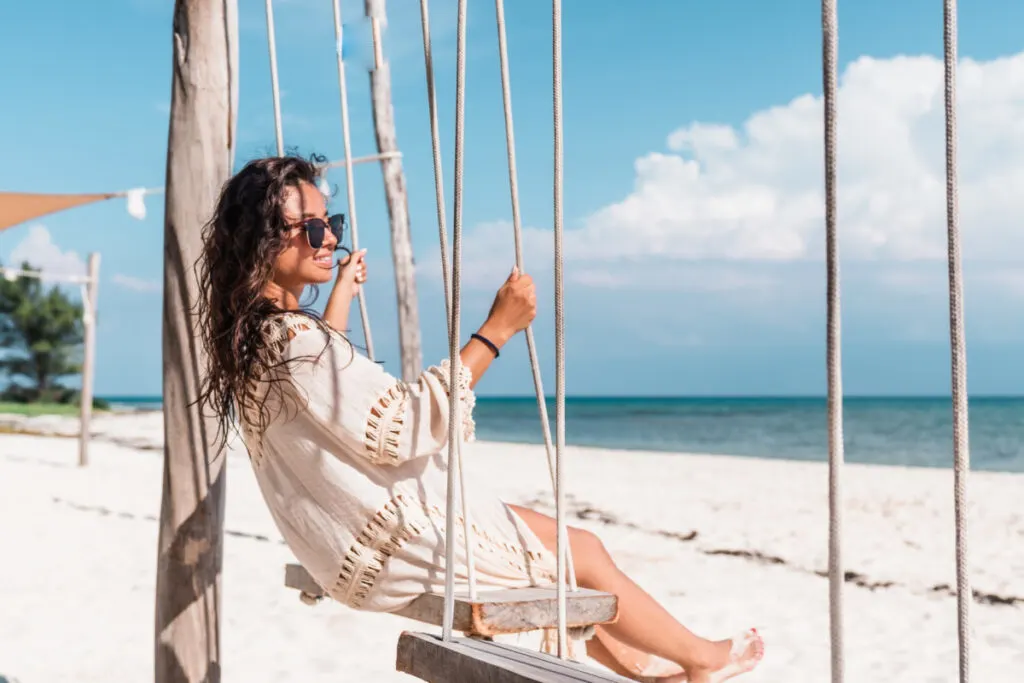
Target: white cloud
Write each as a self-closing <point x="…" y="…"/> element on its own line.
<point x="40" y="251"/>
<point x="723" y="230"/>
<point x="755" y="194"/>
<point x="135" y="283"/>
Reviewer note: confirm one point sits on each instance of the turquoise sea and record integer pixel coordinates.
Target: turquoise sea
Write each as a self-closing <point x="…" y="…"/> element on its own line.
<point x="892" y="431"/>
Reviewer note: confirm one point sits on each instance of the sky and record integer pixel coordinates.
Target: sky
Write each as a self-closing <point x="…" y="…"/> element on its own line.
<point x="693" y="212"/>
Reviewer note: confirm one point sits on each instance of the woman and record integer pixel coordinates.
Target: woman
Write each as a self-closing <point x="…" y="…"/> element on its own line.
<point x="351" y="461"/>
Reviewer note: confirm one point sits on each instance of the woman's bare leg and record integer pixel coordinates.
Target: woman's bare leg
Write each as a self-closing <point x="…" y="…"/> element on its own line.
<point x="631" y="662"/>
<point x="643" y="623"/>
<point x="616" y="661"/>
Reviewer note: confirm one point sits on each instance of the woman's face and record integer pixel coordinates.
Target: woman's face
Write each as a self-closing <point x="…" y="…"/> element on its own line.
<point x="300" y="264"/>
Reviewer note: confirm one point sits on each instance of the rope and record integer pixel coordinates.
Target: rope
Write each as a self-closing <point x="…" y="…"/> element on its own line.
<point x="830" y="40"/>
<point x="961" y="445"/>
<point x="445" y="268"/>
<point x="272" y="49"/>
<point x="435" y="138"/>
<point x="350" y="187"/>
<point x="513" y="182"/>
<point x="563" y="540"/>
<point x="454" y="411"/>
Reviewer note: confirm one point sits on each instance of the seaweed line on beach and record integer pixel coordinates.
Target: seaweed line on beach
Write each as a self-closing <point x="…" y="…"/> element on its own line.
<point x="588" y="512"/>
<point x="104" y="511"/>
<point x="21" y="426"/>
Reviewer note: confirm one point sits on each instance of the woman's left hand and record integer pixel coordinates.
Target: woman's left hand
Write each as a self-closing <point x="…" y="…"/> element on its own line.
<point x="352" y="272"/>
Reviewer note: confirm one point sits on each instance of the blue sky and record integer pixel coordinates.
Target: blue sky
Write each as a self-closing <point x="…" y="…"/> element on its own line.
<point x="692" y="168"/>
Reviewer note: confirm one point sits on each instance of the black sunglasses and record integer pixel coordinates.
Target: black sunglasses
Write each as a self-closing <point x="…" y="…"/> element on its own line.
<point x="316" y="230"/>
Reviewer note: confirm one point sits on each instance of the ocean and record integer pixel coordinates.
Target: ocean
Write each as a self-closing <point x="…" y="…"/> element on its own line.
<point x="914" y="432"/>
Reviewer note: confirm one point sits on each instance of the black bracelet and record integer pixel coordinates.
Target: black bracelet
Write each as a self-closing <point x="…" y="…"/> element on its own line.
<point x="487" y="342"/>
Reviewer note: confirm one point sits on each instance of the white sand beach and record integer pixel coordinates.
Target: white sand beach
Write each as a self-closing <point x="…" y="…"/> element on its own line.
<point x="725" y="542"/>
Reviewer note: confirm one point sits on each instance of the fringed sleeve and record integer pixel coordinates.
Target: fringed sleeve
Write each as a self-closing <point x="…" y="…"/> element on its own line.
<point x="374" y="414"/>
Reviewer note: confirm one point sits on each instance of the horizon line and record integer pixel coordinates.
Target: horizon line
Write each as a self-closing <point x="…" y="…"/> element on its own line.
<point x="699" y="397"/>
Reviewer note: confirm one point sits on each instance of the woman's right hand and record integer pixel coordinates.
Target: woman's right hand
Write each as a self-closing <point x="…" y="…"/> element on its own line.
<point x="514" y="308"/>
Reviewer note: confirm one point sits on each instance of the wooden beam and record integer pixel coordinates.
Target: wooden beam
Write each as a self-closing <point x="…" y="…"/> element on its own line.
<point x="397" y="200"/>
<point x="494" y="612"/>
<point x="204" y="102"/>
<point x="92" y="289"/>
<point x="462" y="660"/>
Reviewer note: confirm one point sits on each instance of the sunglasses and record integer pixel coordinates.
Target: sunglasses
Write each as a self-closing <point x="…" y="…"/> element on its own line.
<point x="317" y="229"/>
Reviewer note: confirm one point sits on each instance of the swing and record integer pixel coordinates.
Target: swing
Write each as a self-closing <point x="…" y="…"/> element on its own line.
<point x="482" y="616"/>
<point x="446" y="659"/>
<point x="491" y="613"/>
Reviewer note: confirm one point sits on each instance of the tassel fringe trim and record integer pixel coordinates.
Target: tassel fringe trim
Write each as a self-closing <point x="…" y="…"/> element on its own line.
<point x="385" y="421"/>
<point x="399" y="521"/>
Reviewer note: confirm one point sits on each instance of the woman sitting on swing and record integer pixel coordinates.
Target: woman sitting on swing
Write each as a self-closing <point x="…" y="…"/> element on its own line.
<point x="351" y="461"/>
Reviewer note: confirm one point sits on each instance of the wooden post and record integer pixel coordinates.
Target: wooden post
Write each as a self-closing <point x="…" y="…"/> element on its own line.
<point x="398" y="203"/>
<point x="85" y="398"/>
<point x="204" y="102"/>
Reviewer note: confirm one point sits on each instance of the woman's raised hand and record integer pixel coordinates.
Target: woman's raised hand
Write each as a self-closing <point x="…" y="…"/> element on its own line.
<point x="352" y="272"/>
<point x="514" y="308"/>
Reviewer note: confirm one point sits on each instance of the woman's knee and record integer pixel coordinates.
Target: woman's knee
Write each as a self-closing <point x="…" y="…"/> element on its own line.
<point x="588" y="551"/>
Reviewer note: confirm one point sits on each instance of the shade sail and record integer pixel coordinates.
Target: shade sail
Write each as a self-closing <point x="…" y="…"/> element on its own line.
<point x="18" y="207"/>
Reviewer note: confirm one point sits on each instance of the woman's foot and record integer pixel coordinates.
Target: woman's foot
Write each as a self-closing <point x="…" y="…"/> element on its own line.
<point x="735" y="656"/>
<point x="675" y="678"/>
<point x="658" y="670"/>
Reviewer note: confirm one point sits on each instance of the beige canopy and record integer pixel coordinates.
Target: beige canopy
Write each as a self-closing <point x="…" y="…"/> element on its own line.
<point x="18" y="207"/>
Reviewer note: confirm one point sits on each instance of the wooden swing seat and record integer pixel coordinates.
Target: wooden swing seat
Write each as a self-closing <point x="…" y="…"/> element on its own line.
<point x="469" y="660"/>
<point x="494" y="612"/>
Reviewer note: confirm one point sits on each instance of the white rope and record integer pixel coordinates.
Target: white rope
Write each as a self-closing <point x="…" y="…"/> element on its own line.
<point x="382" y="156"/>
<point x="829" y="27"/>
<point x="141" y="190"/>
<point x="350" y="187"/>
<point x="513" y="182"/>
<point x="454" y="416"/>
<point x="958" y="353"/>
<point x="272" y="49"/>
<point x="435" y="137"/>
<point x="563" y="539"/>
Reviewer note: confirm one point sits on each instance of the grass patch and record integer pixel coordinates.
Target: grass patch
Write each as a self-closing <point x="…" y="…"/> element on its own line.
<point x="33" y="409"/>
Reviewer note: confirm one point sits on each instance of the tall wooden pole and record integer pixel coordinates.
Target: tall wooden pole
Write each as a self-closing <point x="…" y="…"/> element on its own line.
<point x="204" y="102"/>
<point x="91" y="294"/>
<point x="398" y="203"/>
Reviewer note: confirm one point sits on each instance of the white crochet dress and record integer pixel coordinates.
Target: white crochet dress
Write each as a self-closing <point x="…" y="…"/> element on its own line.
<point x="353" y="469"/>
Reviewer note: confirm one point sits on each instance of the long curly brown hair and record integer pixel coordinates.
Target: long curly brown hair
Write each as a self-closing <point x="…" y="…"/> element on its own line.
<point x="241" y="242"/>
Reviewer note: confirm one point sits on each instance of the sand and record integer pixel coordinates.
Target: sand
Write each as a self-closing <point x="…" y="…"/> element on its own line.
<point x="725" y="542"/>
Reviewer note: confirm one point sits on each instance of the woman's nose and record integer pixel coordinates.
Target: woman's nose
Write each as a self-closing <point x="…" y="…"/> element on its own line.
<point x="330" y="241"/>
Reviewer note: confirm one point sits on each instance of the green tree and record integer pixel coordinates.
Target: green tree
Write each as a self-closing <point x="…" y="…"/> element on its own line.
<point x="41" y="335"/>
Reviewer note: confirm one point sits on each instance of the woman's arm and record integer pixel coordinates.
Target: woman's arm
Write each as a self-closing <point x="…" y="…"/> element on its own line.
<point x="389" y="421"/>
<point x="515" y="307"/>
<point x="351" y="274"/>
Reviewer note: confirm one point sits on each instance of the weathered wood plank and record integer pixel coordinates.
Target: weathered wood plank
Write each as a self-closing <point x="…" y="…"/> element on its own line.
<point x="397" y="200"/>
<point x="204" y="102"/>
<point x="494" y="612"/>
<point x="90" y="303"/>
<point x="296" y="576"/>
<point x="466" y="660"/>
<point x="517" y="610"/>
